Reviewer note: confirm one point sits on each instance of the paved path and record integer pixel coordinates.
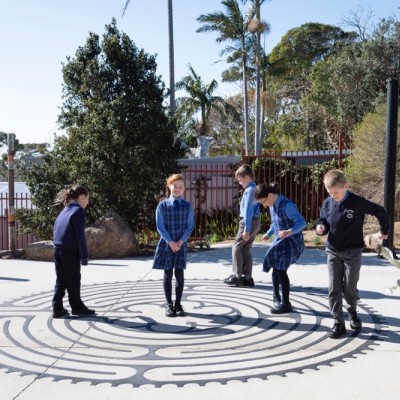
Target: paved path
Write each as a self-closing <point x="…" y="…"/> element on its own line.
<point x="229" y="346"/>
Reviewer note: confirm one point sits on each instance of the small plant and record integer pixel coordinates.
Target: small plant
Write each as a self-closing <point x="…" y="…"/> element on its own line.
<point x="214" y="238"/>
<point x="147" y="237"/>
<point x="317" y="241"/>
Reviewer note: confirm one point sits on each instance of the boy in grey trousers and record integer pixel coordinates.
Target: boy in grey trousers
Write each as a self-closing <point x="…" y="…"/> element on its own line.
<point x="249" y="226"/>
<point x="342" y="218"/>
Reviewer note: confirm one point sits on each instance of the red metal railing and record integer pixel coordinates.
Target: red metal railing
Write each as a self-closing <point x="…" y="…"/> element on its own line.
<point x="22" y="239"/>
<point x="215" y="195"/>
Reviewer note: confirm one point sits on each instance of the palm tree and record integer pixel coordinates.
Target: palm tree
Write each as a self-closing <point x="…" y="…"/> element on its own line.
<point x="200" y="100"/>
<point x="231" y="26"/>
<point x="172" y="103"/>
<point x="258" y="27"/>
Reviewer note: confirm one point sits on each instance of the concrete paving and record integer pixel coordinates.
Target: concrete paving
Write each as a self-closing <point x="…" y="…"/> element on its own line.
<point x="228" y="346"/>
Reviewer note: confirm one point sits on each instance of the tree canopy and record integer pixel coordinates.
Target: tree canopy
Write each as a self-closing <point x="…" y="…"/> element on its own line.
<point x="118" y="141"/>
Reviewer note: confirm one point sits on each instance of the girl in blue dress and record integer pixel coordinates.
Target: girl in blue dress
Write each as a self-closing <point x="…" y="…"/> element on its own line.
<point x="175" y="222"/>
<point x="287" y="244"/>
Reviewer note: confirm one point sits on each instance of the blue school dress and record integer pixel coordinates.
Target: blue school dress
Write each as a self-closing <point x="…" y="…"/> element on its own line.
<point x="178" y="222"/>
<point x="284" y="252"/>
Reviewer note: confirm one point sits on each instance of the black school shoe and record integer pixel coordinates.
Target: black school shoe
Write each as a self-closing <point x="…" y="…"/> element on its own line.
<point x="337" y="331"/>
<point x="179" y="310"/>
<point x="282" y="309"/>
<point x="170" y="311"/>
<point x="246" y="282"/>
<point x="84" y="311"/>
<point x="60" y="314"/>
<point x="233" y="280"/>
<point x="355" y="321"/>
<point x="277" y="302"/>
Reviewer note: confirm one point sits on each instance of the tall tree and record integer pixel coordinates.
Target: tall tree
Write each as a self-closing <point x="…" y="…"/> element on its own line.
<point x="352" y="82"/>
<point x="292" y="63"/>
<point x="231" y="27"/>
<point x="257" y="27"/>
<point x="119" y="140"/>
<point x="172" y="103"/>
<point x="200" y="100"/>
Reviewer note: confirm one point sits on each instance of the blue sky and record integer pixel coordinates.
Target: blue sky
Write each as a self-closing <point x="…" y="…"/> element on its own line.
<point x="38" y="35"/>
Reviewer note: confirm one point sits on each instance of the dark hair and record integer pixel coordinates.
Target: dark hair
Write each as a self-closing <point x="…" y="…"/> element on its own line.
<point x="244" y="170"/>
<point x="263" y="190"/>
<point x="65" y="196"/>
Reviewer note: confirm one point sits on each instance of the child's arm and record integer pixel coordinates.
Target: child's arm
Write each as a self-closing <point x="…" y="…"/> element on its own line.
<point x="189" y="227"/>
<point x="248" y="206"/>
<point x="78" y="223"/>
<point x="381" y="215"/>
<point x="269" y="233"/>
<point x="299" y="222"/>
<point x="322" y="226"/>
<point x="161" y="225"/>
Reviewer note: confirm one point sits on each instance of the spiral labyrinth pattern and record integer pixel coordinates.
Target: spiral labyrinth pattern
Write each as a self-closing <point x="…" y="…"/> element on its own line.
<point x="228" y="334"/>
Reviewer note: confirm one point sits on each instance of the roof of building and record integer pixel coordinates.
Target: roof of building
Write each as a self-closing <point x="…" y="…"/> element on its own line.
<point x="19" y="187"/>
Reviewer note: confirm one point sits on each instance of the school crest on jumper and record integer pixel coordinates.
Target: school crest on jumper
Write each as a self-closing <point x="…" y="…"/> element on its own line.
<point x="349" y="213"/>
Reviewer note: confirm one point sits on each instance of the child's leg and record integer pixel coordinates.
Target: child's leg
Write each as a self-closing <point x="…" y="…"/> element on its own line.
<point x="275" y="284"/>
<point x="352" y="265"/>
<point x="336" y="272"/>
<point x="285" y="285"/>
<point x="72" y="278"/>
<point x="247" y="269"/>
<point x="180" y="282"/>
<point x="237" y="251"/>
<point x="167" y="283"/>
<point x="280" y="277"/>
<point x="59" y="289"/>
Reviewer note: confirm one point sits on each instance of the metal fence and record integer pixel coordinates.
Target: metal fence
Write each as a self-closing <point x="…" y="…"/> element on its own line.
<point x="215" y="195"/>
<point x="20" y="201"/>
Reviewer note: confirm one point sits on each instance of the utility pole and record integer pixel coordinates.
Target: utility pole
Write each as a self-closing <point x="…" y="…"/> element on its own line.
<point x="172" y="102"/>
<point x="391" y="156"/>
<point x="11" y="193"/>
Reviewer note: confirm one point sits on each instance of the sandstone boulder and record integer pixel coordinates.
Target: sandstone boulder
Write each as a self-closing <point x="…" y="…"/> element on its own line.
<point x="373" y="242"/>
<point x="111" y="237"/>
<point x="40" y="251"/>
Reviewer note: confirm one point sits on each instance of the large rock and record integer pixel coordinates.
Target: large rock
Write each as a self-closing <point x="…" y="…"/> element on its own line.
<point x="40" y="251"/>
<point x="111" y="237"/>
<point x="373" y="242"/>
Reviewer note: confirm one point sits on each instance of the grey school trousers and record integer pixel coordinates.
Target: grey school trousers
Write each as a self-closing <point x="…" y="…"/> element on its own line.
<point x="242" y="259"/>
<point x="344" y="271"/>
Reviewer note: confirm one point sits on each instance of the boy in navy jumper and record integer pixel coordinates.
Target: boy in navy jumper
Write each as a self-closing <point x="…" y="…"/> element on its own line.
<point x="70" y="250"/>
<point x="342" y="218"/>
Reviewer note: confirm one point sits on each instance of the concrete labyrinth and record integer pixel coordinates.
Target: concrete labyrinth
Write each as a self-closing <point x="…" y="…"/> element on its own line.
<point x="227" y="334"/>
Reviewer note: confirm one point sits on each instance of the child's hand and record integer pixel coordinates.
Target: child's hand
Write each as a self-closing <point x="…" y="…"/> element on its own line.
<point x="320" y="229"/>
<point x="174" y="246"/>
<point x="381" y="236"/>
<point x="246" y="236"/>
<point x="285" y="233"/>
<point x="180" y="243"/>
<point x="265" y="237"/>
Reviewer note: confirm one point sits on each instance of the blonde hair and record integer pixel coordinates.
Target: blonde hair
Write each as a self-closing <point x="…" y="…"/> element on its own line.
<point x="334" y="178"/>
<point x="65" y="196"/>
<point x="175" y="177"/>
